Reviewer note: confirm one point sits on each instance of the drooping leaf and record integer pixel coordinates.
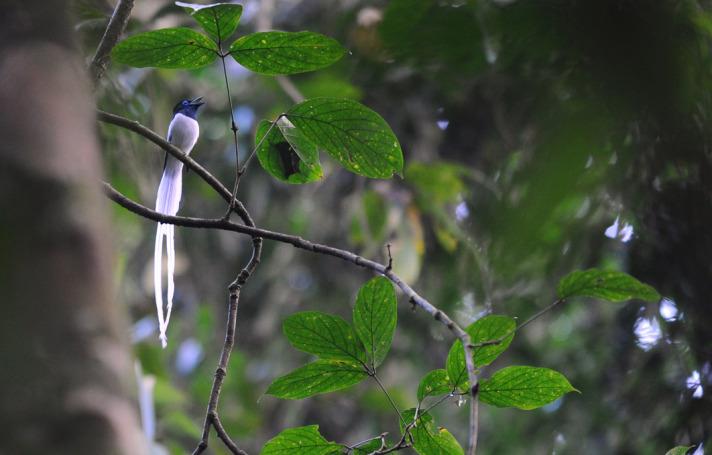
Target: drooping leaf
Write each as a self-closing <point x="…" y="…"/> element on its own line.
<point x="317" y="377"/>
<point x="324" y="335"/>
<point x="436" y="382"/>
<point x="282" y="156"/>
<point x="489" y="328"/>
<point x="219" y="19"/>
<point x="608" y="285"/>
<point x="274" y="53"/>
<point x="375" y="317"/>
<point x="351" y="133"/>
<point x="301" y="440"/>
<point x="679" y="450"/>
<point x="166" y="48"/>
<point x="524" y="387"/>
<point x="304" y="148"/>
<point x="429" y="440"/>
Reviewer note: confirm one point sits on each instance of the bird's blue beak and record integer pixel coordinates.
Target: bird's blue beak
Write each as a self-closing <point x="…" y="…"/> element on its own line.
<point x="197" y="102"/>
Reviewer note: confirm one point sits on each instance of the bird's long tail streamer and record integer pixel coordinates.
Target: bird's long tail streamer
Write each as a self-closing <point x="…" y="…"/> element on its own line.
<point x="167" y="202"/>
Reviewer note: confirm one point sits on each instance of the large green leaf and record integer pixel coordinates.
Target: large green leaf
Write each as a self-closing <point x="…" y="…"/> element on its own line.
<point x="607" y="285"/>
<point x="429" y="440"/>
<point x="275" y="53"/>
<point x="375" y="317"/>
<point x="166" y="48"/>
<point x="219" y="19"/>
<point x="301" y="440"/>
<point x="324" y="335"/>
<point x="351" y="133"/>
<point x="436" y="382"/>
<point x="489" y="328"/>
<point x="317" y="377"/>
<point x="282" y="155"/>
<point x="524" y="387"/>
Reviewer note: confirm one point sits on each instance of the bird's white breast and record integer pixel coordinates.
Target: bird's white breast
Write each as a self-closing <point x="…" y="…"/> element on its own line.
<point x="183" y="132"/>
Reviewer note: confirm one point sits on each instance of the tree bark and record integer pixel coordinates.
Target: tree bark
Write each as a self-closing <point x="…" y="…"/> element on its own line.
<point x="65" y="360"/>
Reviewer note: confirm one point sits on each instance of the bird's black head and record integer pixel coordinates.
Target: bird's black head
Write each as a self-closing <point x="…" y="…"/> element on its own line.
<point x="189" y="108"/>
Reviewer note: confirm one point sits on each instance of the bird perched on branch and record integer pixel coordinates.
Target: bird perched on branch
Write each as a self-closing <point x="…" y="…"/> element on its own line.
<point x="183" y="132"/>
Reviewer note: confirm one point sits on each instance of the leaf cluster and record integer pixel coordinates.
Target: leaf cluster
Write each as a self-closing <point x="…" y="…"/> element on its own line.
<point x="288" y="147"/>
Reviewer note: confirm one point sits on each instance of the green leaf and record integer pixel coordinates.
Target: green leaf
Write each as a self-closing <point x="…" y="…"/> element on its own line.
<point x="351" y="133"/>
<point x="219" y="19"/>
<point x="679" y="450"/>
<point x="456" y="367"/>
<point x="302" y="440"/>
<point x="317" y="377"/>
<point x="607" y="285"/>
<point x="324" y="335"/>
<point x="290" y="158"/>
<point x="166" y="48"/>
<point x="524" y="387"/>
<point x="436" y="382"/>
<point x="429" y="440"/>
<point x="375" y="317"/>
<point x="488" y="328"/>
<point x="275" y="53"/>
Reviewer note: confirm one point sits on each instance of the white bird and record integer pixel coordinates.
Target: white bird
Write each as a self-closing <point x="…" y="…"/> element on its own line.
<point x="183" y="132"/>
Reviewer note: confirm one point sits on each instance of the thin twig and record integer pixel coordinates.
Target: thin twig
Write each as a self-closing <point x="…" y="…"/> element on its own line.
<point x="259" y="144"/>
<point x="437" y="403"/>
<point x="360" y="443"/>
<point x="298" y="242"/>
<point x="234" y="129"/>
<point x="388" y="395"/>
<point x="117" y="24"/>
<point x="531" y="319"/>
<point x="390" y="257"/>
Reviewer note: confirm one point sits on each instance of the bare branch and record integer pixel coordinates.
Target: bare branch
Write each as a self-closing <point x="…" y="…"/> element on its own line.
<point x="117" y="24"/>
<point x="298" y="242"/>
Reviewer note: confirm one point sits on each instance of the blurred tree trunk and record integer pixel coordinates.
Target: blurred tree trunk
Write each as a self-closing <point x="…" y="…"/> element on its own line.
<point x="66" y="365"/>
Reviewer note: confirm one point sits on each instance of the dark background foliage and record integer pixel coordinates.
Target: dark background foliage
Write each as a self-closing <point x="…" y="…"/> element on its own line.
<point x="528" y="127"/>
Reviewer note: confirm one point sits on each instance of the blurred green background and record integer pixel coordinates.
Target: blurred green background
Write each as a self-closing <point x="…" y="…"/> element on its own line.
<point x="531" y="129"/>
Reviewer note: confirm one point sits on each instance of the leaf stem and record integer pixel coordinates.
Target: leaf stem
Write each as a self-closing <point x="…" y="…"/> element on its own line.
<point x="234" y="129"/>
<point x="531" y="319"/>
<point x="388" y="395"/>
